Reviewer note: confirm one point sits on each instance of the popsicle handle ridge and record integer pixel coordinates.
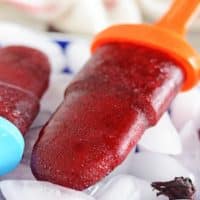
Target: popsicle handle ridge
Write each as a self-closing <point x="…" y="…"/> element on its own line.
<point x="178" y="16"/>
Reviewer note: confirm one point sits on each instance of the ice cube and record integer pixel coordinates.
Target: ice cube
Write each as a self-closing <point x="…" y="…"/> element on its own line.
<point x="21" y="172"/>
<point x="30" y="139"/>
<point x="77" y="53"/>
<point x="191" y="147"/>
<point x="146" y="191"/>
<point x="41" y="119"/>
<point x="31" y="190"/>
<point x="119" y="187"/>
<point x="93" y="189"/>
<point x="55" y="92"/>
<point x="162" y="138"/>
<point x="186" y="107"/>
<point x="156" y="167"/>
<point x="126" y="187"/>
<point x="190" y="138"/>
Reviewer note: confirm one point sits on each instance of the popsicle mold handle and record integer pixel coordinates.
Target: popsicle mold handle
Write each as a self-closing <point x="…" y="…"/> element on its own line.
<point x="176" y="20"/>
<point x="178" y="15"/>
<point x="11" y="146"/>
<point x="166" y="36"/>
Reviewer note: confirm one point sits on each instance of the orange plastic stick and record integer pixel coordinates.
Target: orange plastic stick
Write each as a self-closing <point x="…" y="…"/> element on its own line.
<point x="178" y="15"/>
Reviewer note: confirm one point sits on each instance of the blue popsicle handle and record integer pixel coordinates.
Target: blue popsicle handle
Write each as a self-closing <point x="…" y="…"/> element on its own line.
<point x="11" y="146"/>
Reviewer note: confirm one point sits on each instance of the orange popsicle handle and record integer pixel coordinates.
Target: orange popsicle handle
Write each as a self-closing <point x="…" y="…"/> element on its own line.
<point x="166" y="35"/>
<point x="178" y="15"/>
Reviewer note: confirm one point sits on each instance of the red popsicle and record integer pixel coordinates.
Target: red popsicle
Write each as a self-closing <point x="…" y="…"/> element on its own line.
<point x="123" y="89"/>
<point x="24" y="76"/>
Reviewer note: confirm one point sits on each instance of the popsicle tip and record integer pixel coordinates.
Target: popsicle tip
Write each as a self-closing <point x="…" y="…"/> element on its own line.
<point x="11" y="146"/>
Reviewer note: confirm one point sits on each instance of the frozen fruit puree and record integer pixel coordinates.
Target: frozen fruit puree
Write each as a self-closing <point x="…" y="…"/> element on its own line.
<point x="121" y="91"/>
<point x="24" y="74"/>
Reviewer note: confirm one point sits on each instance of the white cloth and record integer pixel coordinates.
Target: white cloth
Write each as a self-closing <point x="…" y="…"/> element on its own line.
<point x="154" y="9"/>
<point x="82" y="16"/>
